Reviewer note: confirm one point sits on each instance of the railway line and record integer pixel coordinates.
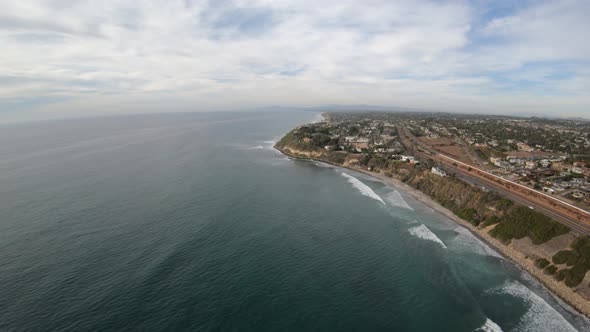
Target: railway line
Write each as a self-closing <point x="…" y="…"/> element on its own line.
<point x="575" y="218"/>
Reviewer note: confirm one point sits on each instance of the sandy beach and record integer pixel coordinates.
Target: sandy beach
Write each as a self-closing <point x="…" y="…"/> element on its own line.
<point x="568" y="295"/>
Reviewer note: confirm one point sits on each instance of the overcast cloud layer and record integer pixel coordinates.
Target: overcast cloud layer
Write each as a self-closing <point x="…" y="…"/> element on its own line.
<point x="76" y="58"/>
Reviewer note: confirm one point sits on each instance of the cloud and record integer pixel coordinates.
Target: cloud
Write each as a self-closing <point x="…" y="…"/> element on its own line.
<point x="94" y="57"/>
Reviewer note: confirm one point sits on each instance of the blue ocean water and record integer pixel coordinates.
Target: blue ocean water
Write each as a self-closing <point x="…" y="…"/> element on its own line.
<point x="193" y="222"/>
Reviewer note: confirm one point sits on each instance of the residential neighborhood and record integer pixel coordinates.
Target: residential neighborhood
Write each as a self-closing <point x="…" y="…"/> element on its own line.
<point x="551" y="156"/>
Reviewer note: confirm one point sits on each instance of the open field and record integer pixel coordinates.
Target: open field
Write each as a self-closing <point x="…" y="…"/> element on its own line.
<point x="447" y="146"/>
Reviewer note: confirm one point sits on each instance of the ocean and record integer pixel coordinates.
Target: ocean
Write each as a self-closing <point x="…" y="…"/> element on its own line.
<point x="194" y="222"/>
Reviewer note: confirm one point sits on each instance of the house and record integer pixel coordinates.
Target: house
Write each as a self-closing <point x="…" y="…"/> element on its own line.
<point x="577" y="194"/>
<point x="531" y="164"/>
<point x="558" y="165"/>
<point x="495" y="161"/>
<point x="409" y="159"/>
<point x="516" y="160"/>
<point x="524" y="147"/>
<point x="577" y="170"/>
<point x="360" y="143"/>
<point x="578" y="181"/>
<point x="438" y="171"/>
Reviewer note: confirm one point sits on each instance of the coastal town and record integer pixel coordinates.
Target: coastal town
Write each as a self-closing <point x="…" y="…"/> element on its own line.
<point x="521" y="184"/>
<point x="551" y="156"/>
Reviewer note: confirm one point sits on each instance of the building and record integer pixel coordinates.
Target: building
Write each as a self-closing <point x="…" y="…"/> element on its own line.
<point x="578" y="194"/>
<point x="577" y="170"/>
<point x="524" y="147"/>
<point x="409" y="159"/>
<point x="495" y="161"/>
<point x="360" y="143"/>
<point x="438" y="171"/>
<point x="531" y="164"/>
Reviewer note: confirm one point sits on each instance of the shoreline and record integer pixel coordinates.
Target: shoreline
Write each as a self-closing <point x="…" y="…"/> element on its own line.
<point x="521" y="260"/>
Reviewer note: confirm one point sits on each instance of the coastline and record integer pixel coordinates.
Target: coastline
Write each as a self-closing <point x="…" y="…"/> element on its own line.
<point x="558" y="289"/>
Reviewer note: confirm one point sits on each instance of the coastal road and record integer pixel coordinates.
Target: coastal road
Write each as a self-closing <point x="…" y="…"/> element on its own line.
<point x="551" y="207"/>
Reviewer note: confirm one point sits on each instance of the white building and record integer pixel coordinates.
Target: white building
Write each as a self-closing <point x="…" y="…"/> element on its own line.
<point x="438" y="171"/>
<point x="531" y="164"/>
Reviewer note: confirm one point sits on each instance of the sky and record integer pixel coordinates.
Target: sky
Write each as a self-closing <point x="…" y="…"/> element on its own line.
<point x="80" y="58"/>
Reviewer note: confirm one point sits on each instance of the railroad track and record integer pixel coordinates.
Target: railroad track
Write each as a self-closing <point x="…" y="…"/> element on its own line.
<point x="519" y="197"/>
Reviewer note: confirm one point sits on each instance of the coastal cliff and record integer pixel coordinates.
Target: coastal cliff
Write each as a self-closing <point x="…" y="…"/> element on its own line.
<point x="548" y="250"/>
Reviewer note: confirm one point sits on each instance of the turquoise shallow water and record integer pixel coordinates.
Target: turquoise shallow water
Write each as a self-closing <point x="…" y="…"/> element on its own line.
<point x="193" y="222"/>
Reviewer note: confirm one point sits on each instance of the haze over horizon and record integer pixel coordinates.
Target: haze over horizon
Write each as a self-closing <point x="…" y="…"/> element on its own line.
<point x="73" y="59"/>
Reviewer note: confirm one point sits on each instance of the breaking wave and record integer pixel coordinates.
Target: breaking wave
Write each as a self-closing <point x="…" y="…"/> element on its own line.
<point x="395" y="199"/>
<point x="424" y="233"/>
<point x="469" y="242"/>
<point x="269" y="144"/>
<point x="363" y="188"/>
<point x="489" y="326"/>
<point x="540" y="316"/>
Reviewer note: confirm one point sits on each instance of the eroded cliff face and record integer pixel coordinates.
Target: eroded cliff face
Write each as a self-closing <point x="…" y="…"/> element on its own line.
<point x="303" y="153"/>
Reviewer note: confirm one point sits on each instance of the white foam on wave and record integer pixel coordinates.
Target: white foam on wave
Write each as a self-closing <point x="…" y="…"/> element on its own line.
<point x="489" y="326"/>
<point x="322" y="165"/>
<point x="363" y="188"/>
<point x="540" y="316"/>
<point x="395" y="199"/>
<point x="466" y="240"/>
<point x="269" y="145"/>
<point x="258" y="147"/>
<point x="425" y="233"/>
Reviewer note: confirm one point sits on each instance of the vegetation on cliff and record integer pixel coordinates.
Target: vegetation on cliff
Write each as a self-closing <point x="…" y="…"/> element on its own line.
<point x="487" y="208"/>
<point x="307" y="138"/>
<point x="579" y="260"/>
<point x="521" y="221"/>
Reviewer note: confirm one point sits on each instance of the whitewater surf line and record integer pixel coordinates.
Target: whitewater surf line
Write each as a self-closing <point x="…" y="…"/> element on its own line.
<point x="363" y="188"/>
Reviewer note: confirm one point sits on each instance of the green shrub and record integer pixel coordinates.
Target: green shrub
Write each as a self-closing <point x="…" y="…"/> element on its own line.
<point x="576" y="275"/>
<point x="491" y="221"/>
<point x="521" y="221"/>
<point x="469" y="215"/>
<point x="582" y="246"/>
<point x="565" y="256"/>
<point x="561" y="274"/>
<point x="504" y="204"/>
<point x="578" y="259"/>
<point x="550" y="270"/>
<point x="337" y="157"/>
<point x="541" y="263"/>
